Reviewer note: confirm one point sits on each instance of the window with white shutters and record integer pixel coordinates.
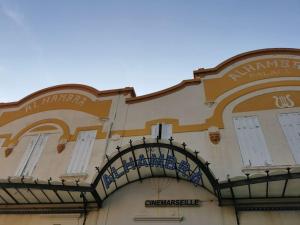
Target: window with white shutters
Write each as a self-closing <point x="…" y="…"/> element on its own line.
<point x="162" y="131"/>
<point x="82" y="152"/>
<point x="251" y="140"/>
<point x="290" y="124"/>
<point x="32" y="154"/>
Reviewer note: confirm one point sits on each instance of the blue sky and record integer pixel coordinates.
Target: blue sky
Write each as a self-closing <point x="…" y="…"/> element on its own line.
<point x="149" y="45"/>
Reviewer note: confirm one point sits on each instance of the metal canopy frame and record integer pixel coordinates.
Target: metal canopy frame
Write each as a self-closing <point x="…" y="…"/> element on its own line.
<point x="146" y="159"/>
<point x="33" y="196"/>
<point x="160" y="149"/>
<point x="271" y="194"/>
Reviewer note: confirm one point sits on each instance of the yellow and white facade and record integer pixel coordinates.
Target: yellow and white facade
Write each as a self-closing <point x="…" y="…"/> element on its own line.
<point x="228" y="138"/>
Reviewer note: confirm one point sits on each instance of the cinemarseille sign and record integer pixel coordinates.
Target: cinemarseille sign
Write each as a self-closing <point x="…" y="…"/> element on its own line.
<point x="173" y="203"/>
<point x="166" y="162"/>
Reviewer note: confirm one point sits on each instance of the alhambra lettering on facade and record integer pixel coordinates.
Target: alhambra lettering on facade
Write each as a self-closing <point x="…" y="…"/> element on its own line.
<point x="169" y="162"/>
<point x="75" y="99"/>
<point x="263" y="67"/>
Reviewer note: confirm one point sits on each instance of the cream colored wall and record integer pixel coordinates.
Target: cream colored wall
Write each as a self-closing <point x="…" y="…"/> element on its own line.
<point x="127" y="203"/>
<point x="187" y="105"/>
<point x="270" y="218"/>
<point x="276" y="141"/>
<point x="73" y="219"/>
<point x="225" y="157"/>
<point x="51" y="163"/>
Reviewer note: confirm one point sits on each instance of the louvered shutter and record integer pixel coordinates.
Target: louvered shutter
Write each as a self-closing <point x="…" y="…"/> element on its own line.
<point x="1" y="142"/>
<point x="155" y="131"/>
<point x="32" y="154"/>
<point x="166" y="132"/>
<point x="251" y="140"/>
<point x="82" y="152"/>
<point x="290" y="124"/>
<point x="36" y="153"/>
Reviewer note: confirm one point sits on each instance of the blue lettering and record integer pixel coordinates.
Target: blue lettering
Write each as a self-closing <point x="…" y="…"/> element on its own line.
<point x="184" y="168"/>
<point x="157" y="161"/>
<point x="115" y="173"/>
<point x="142" y="161"/>
<point x="107" y="180"/>
<point x="128" y="165"/>
<point x="196" y="178"/>
<point x="170" y="162"/>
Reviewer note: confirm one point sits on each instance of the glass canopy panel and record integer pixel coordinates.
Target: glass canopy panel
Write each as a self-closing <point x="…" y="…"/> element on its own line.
<point x="226" y="193"/>
<point x="293" y="188"/>
<point x="241" y="191"/>
<point x="276" y="188"/>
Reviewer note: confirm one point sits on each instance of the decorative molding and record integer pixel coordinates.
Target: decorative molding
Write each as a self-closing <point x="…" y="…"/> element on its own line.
<point x="65" y="128"/>
<point x="7" y="137"/>
<point x="100" y="134"/>
<point x="8" y="151"/>
<point x="10" y="141"/>
<point x="176" y="128"/>
<point x="268" y="101"/>
<point x="215" y="137"/>
<point x="80" y="87"/>
<point x="68" y="101"/>
<point x="200" y="73"/>
<point x="217" y="118"/>
<point x="164" y="92"/>
<point x="43" y="128"/>
<point x="251" y="71"/>
<point x="284" y="101"/>
<point x="60" y="147"/>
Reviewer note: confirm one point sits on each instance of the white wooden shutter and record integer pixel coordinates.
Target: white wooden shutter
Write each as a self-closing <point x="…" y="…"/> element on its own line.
<point x="166" y="132"/>
<point x="290" y="124"/>
<point x="155" y="131"/>
<point x="82" y="152"/>
<point x="1" y="142"/>
<point x="32" y="154"/>
<point x="251" y="140"/>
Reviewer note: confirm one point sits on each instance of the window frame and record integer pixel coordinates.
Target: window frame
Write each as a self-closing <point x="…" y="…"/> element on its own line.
<point x="162" y="131"/>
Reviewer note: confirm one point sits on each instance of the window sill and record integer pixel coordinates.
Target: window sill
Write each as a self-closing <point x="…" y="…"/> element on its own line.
<point x="258" y="169"/>
<point x="74" y="176"/>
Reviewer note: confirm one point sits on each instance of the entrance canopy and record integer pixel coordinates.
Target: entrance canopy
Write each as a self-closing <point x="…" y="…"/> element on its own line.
<point x="271" y="190"/>
<point x="23" y="195"/>
<point x="147" y="158"/>
<point x="153" y="158"/>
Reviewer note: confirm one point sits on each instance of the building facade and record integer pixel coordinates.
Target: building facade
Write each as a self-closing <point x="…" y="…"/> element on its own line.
<point x="222" y="148"/>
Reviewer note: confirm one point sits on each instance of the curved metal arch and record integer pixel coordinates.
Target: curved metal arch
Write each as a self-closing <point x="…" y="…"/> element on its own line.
<point x="149" y="159"/>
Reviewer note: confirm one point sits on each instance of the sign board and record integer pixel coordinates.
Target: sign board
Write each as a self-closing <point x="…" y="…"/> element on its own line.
<point x="173" y="203"/>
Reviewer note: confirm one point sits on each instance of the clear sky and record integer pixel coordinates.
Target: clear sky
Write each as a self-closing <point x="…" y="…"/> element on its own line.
<point x="149" y="45"/>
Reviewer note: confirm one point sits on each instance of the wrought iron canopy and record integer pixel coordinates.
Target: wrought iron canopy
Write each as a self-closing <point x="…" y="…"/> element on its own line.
<point x="153" y="158"/>
<point x="272" y="190"/>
